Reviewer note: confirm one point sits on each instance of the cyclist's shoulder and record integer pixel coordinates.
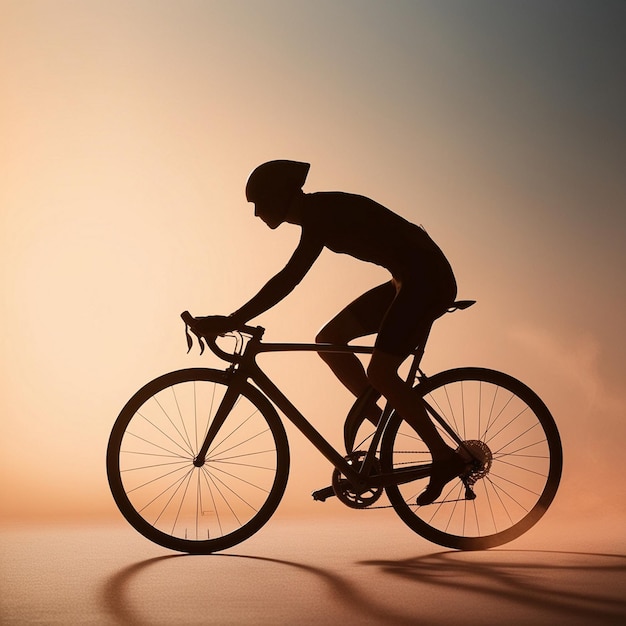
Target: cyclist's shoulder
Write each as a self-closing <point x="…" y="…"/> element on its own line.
<point x="338" y="199"/>
<point x="325" y="209"/>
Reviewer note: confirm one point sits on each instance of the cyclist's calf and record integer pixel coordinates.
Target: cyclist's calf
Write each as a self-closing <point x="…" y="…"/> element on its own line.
<point x="383" y="376"/>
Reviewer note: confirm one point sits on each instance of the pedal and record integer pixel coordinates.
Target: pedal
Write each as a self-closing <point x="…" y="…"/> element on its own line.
<point x="322" y="494"/>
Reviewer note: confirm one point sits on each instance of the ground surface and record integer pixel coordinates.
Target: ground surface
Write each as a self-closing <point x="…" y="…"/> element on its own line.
<point x="364" y="569"/>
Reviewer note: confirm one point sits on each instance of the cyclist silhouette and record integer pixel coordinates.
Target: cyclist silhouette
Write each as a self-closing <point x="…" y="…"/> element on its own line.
<point x="401" y="311"/>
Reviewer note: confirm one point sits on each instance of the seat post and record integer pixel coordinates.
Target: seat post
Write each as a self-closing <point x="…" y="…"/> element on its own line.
<point x="418" y="354"/>
<point x="417" y="357"/>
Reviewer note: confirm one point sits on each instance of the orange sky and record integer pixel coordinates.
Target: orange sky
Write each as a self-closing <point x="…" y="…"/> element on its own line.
<point x="129" y="129"/>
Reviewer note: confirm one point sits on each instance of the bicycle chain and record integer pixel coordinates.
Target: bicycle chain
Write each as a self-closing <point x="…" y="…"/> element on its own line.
<point x="470" y="479"/>
<point x="390" y="506"/>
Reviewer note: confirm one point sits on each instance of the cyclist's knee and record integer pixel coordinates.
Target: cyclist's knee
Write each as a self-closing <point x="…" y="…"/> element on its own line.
<point x="329" y="335"/>
<point x="325" y="335"/>
<point x="382" y="373"/>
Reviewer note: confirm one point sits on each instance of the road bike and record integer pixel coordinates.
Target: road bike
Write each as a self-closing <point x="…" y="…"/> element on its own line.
<point x="198" y="459"/>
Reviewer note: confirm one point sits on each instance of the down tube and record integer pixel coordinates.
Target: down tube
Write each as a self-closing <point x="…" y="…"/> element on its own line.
<point x="303" y="425"/>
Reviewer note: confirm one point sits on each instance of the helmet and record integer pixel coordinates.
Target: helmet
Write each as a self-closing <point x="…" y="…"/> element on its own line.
<point x="276" y="180"/>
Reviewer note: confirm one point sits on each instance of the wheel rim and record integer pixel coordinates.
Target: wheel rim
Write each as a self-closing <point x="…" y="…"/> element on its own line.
<point x="173" y="501"/>
<point x="512" y="433"/>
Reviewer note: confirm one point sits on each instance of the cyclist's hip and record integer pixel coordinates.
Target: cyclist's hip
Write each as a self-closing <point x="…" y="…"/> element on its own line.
<point x="427" y="281"/>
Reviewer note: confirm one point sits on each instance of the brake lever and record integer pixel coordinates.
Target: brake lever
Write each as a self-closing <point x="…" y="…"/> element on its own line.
<point x="188" y="319"/>
<point x="190" y="340"/>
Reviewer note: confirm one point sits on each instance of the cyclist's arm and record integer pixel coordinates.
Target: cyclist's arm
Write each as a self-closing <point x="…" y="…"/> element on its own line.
<point x="283" y="283"/>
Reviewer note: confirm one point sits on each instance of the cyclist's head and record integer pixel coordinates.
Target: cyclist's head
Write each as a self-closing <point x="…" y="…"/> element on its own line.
<point x="272" y="186"/>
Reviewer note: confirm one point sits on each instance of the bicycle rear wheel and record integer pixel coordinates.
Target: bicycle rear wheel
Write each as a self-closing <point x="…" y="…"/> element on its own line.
<point x="512" y="432"/>
<point x="155" y="483"/>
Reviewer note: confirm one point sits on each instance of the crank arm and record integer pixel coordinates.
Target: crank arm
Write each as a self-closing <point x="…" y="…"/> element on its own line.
<point x="321" y="495"/>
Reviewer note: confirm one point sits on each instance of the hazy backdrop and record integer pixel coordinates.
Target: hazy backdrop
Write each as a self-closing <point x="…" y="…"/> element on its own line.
<point x="128" y="130"/>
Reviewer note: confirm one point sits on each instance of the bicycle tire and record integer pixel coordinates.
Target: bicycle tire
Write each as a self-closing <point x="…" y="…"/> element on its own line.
<point x="519" y="439"/>
<point x="153" y="479"/>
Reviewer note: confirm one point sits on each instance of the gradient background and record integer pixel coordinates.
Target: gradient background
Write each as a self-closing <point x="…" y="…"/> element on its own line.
<point x="127" y="132"/>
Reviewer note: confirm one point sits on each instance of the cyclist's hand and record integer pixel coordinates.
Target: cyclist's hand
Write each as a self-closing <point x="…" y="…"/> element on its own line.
<point x="209" y="326"/>
<point x="214" y="325"/>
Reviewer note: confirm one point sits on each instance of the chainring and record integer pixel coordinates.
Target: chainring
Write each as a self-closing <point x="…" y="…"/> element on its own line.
<point x="346" y="492"/>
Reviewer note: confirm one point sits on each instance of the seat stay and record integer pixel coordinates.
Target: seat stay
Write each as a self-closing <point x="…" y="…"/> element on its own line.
<point x="442" y="422"/>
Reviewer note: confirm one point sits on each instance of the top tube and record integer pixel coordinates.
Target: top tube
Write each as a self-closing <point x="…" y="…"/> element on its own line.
<point x="254" y="335"/>
<point x="313" y="347"/>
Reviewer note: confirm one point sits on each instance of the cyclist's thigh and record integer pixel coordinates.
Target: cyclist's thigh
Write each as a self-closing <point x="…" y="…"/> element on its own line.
<point x="362" y="316"/>
<point x="423" y="295"/>
<point x="408" y="320"/>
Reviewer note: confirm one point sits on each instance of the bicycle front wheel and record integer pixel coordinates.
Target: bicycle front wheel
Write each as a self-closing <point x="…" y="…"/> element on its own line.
<point x="509" y="429"/>
<point x="151" y="471"/>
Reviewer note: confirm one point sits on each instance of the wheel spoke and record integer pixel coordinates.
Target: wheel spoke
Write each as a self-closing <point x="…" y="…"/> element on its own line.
<point x="186" y="451"/>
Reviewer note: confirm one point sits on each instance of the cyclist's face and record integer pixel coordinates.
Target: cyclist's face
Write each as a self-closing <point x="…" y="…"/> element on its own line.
<point x="272" y="213"/>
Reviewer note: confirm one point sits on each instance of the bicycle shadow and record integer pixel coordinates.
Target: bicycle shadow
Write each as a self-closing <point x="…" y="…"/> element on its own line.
<point x="510" y="577"/>
<point x="118" y="605"/>
<point x="564" y="585"/>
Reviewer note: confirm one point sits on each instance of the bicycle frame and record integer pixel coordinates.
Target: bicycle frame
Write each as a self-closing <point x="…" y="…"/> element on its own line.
<point x="244" y="368"/>
<point x="510" y="474"/>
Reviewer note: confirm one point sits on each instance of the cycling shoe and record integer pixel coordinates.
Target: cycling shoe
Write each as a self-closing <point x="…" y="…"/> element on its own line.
<point x="443" y="471"/>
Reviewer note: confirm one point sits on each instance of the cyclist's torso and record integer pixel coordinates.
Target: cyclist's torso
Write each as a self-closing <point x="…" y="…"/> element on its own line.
<point x="355" y="225"/>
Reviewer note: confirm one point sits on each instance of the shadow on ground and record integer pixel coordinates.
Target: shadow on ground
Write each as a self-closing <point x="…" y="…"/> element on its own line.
<point x="515" y="585"/>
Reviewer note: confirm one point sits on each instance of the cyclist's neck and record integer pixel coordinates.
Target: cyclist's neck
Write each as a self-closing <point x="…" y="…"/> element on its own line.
<point x="294" y="212"/>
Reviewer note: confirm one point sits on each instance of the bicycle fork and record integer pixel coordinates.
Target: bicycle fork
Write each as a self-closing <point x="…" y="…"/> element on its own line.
<point x="227" y="404"/>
